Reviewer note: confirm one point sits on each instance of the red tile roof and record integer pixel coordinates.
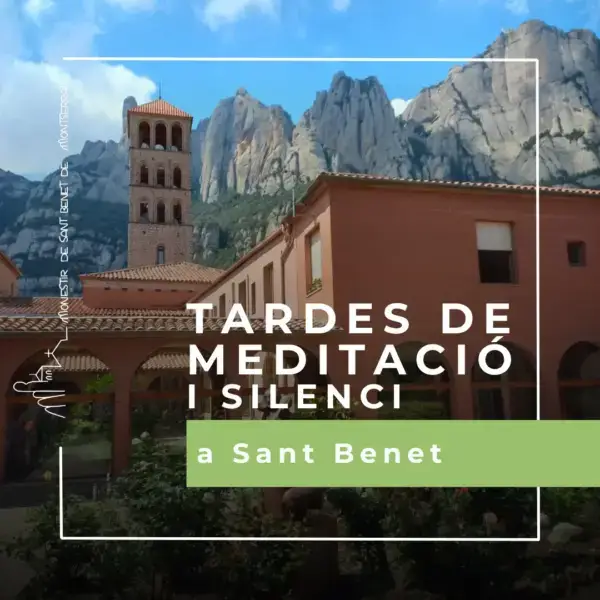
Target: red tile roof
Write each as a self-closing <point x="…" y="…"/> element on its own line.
<point x="83" y="363"/>
<point x="160" y="108"/>
<point x="114" y="324"/>
<point x="50" y="306"/>
<point x="513" y="187"/>
<point x="10" y="264"/>
<point x="184" y="272"/>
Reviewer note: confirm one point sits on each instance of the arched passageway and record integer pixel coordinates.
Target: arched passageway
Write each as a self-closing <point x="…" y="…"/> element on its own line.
<point x="160" y="397"/>
<point x="37" y="426"/>
<point x="421" y="396"/>
<point x="579" y="381"/>
<point x="511" y="395"/>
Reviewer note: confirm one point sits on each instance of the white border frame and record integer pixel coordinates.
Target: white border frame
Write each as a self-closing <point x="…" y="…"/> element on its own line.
<point x="464" y="61"/>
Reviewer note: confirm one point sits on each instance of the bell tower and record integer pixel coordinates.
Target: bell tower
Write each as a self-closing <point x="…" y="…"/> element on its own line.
<point x="160" y="196"/>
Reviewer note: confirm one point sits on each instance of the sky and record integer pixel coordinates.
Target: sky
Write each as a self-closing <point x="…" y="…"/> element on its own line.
<point x="35" y="36"/>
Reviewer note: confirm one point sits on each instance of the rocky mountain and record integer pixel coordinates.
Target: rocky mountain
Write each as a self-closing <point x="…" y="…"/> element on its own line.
<point x="249" y="159"/>
<point x="98" y="213"/>
<point x="479" y="123"/>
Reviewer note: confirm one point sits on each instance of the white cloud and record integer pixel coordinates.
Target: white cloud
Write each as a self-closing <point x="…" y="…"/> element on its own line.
<point x="341" y="5"/>
<point x="399" y="105"/>
<point x="518" y="7"/>
<point x="133" y="5"/>
<point x="217" y="13"/>
<point x="30" y="93"/>
<point x="36" y="8"/>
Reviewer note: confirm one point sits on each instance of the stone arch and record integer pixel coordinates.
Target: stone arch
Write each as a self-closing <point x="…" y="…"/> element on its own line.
<point x="421" y="396"/>
<point x="160" y="136"/>
<point x="177" y="137"/>
<point x="160" y="396"/>
<point x="579" y="381"/>
<point x="177" y="212"/>
<point x="161" y="212"/>
<point x="144" y="174"/>
<point x="161" y="178"/>
<point x="144" y="134"/>
<point x="177" y="177"/>
<point x="83" y="426"/>
<point x="144" y="211"/>
<point x="511" y="395"/>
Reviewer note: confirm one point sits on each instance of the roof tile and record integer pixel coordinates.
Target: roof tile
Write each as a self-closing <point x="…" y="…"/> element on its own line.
<point x="50" y="306"/>
<point x="113" y="324"/>
<point x="463" y="184"/>
<point x="160" y="108"/>
<point x="183" y="272"/>
<point x="90" y="364"/>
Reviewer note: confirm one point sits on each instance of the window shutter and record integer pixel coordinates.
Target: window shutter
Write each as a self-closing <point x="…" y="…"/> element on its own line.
<point x="494" y="236"/>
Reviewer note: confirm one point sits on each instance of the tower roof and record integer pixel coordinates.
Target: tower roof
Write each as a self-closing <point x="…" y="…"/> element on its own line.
<point x="160" y="108"/>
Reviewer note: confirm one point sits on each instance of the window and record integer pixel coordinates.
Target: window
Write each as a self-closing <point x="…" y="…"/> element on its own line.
<point x="222" y="305"/>
<point x="144" y="134"/>
<point x="144" y="175"/>
<point x="160" y="213"/>
<point x="160" y="255"/>
<point x="177" y="213"/>
<point x="268" y="290"/>
<point x="495" y="250"/>
<point x="160" y="177"/>
<point x="253" y="298"/>
<point x="144" y="212"/>
<point x="242" y="294"/>
<point x="315" y="272"/>
<point x="576" y="254"/>
<point x="177" y="137"/>
<point x="160" y="136"/>
<point x="177" y="177"/>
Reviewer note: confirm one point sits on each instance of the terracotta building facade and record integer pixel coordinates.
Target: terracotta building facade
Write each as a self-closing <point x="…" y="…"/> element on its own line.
<point x="352" y="239"/>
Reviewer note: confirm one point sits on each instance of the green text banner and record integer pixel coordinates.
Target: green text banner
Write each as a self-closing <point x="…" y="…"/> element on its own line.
<point x="377" y="453"/>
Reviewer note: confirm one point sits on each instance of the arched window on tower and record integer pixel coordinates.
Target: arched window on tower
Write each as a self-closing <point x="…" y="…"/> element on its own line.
<point x="160" y="177"/>
<point x="144" y="135"/>
<point x="177" y="177"/>
<point x="161" y="137"/>
<point x="177" y="213"/>
<point x="160" y="255"/>
<point x="160" y="212"/>
<point x="144" y="176"/>
<point x="144" y="212"/>
<point x="177" y="137"/>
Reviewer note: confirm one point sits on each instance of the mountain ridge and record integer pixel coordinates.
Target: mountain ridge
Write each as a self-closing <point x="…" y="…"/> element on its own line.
<point x="478" y="124"/>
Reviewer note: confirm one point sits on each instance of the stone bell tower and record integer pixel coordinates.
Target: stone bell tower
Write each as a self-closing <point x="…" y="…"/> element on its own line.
<point x="160" y="196"/>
